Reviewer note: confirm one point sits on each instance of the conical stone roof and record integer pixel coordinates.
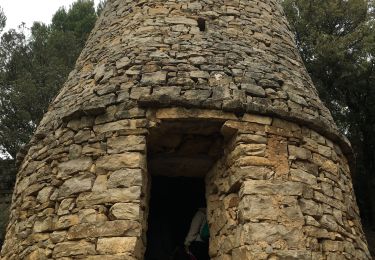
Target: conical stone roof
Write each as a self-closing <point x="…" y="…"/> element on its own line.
<point x="227" y="55"/>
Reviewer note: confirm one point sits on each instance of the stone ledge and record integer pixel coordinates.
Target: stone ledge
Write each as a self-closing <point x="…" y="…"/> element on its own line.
<point x="314" y="123"/>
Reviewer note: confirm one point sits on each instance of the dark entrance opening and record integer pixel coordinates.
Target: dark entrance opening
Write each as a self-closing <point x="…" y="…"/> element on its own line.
<point x="201" y="24"/>
<point x="174" y="201"/>
<point x="179" y="156"/>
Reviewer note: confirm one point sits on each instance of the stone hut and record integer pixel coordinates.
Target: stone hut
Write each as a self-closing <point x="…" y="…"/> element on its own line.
<point x="176" y="103"/>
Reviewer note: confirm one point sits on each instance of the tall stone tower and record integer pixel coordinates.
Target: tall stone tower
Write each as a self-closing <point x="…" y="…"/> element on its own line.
<point x="214" y="90"/>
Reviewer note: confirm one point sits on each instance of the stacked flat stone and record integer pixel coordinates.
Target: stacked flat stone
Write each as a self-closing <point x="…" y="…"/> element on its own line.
<point x="283" y="188"/>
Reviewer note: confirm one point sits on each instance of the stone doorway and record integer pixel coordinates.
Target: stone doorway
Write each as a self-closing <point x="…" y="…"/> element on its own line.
<point x="180" y="155"/>
<point x="174" y="201"/>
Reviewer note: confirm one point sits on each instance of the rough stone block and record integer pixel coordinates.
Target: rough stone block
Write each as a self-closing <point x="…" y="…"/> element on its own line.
<point x="238" y="175"/>
<point x="248" y="150"/>
<point x="253" y="90"/>
<point x="182" y="113"/>
<point x="65" y="222"/>
<point x="262" y="207"/>
<point x="199" y="74"/>
<point x="332" y="246"/>
<point x="92" y="215"/>
<point x="137" y="93"/>
<point x="181" y="20"/>
<point x="123" y="256"/>
<point x="263" y="120"/>
<point x="100" y="183"/>
<point x="302" y="176"/>
<point x="125" y="178"/>
<point x="299" y="152"/>
<point x="120" y="161"/>
<point x="43" y="225"/>
<point x="125" y="124"/>
<point x="268" y="233"/>
<point x="116" y="245"/>
<point x="250" y="161"/>
<point x="131" y="194"/>
<point x="125" y="211"/>
<point x="67" y="168"/>
<point x="246" y="252"/>
<point x="329" y="222"/>
<point x="231" y="127"/>
<point x="273" y="187"/>
<point x="155" y="78"/>
<point x="116" y="228"/>
<point x="325" y="151"/>
<point x="131" y="143"/>
<point x="58" y="236"/>
<point x="66" y="206"/>
<point x="39" y="254"/>
<point x="75" y="248"/>
<point x="311" y="207"/>
<point x="122" y="63"/>
<point x="258" y="207"/>
<point x="44" y="194"/>
<point x="249" y="138"/>
<point x="76" y="185"/>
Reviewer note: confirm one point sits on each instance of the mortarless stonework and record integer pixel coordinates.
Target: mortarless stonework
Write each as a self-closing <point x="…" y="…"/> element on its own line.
<point x="282" y="189"/>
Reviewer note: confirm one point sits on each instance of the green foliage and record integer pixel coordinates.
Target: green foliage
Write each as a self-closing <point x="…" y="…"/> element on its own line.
<point x="337" y="42"/>
<point x="3" y="19"/>
<point x="78" y="21"/>
<point x="100" y="7"/>
<point x="32" y="70"/>
<point x="4" y="215"/>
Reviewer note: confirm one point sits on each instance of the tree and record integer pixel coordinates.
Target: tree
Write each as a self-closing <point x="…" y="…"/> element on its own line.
<point x="13" y="51"/>
<point x="33" y="69"/>
<point x="337" y="43"/>
<point x="100" y="7"/>
<point x="3" y="19"/>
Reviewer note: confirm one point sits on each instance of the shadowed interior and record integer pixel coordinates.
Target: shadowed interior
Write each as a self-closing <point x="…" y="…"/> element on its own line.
<point x="183" y="148"/>
<point x="180" y="154"/>
<point x="174" y="201"/>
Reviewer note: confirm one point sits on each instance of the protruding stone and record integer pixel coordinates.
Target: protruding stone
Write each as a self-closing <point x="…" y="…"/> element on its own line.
<point x="114" y="228"/>
<point x="131" y="143"/>
<point x="75" y="248"/>
<point x="109" y="196"/>
<point x="253" y="90"/>
<point x="76" y="185"/>
<point x="116" y="245"/>
<point x="122" y="63"/>
<point x="79" y="165"/>
<point x="125" y="178"/>
<point x="120" y="161"/>
<point x="264" y="120"/>
<point x="125" y="211"/>
<point x="272" y="188"/>
<point x="155" y="78"/>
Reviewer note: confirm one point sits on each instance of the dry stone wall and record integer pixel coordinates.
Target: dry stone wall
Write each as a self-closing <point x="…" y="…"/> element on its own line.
<point x="281" y="191"/>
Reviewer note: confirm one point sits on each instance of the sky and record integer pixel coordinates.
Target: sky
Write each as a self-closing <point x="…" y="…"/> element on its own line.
<point x="28" y="11"/>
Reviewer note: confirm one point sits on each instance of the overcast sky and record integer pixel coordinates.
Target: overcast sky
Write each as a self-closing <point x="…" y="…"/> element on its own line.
<point x="28" y="11"/>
